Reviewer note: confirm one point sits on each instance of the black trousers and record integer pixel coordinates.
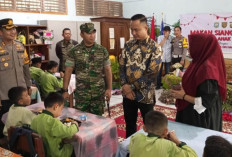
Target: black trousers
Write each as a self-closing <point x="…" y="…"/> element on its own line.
<point x="130" y="108"/>
<point x="6" y="104"/>
<point x="177" y="60"/>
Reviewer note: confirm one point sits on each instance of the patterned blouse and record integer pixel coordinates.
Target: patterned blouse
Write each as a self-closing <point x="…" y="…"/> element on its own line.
<point x="139" y="64"/>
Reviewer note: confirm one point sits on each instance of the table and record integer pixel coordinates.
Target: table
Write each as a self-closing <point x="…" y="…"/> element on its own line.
<point x="97" y="137"/>
<point x="194" y="137"/>
<point x="5" y="152"/>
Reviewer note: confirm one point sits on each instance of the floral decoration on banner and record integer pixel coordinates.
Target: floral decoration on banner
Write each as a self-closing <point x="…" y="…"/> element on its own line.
<point x="221" y="17"/>
<point x="185" y="24"/>
<point x="227" y="116"/>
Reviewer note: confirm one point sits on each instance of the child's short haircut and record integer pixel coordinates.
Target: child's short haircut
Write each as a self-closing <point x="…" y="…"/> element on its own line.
<point x="15" y="94"/>
<point x="155" y="122"/>
<point x="52" y="99"/>
<point x="36" y="60"/>
<point x="51" y="64"/>
<point x="217" y="146"/>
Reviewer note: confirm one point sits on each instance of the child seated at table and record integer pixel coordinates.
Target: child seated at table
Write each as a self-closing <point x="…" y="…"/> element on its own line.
<point x="159" y="142"/>
<point x="52" y="130"/>
<point x="18" y="113"/>
<point x="48" y="81"/>
<point x="217" y="146"/>
<point x="36" y="71"/>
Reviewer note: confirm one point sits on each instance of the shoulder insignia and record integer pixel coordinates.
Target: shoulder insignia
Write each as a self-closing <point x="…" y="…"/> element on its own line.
<point x="185" y="42"/>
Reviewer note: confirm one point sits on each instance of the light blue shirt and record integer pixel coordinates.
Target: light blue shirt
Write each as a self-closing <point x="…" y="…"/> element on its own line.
<point x="167" y="56"/>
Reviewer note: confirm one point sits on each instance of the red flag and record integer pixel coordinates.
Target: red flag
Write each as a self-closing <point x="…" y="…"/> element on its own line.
<point x="152" y="35"/>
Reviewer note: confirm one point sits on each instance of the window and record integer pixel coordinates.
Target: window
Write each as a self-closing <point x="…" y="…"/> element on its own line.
<point x="43" y="6"/>
<point x="98" y="8"/>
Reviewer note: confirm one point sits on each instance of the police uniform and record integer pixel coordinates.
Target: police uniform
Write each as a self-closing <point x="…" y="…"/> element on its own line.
<point x="13" y="70"/>
<point x="62" y="49"/>
<point x="179" y="49"/>
<point x="89" y="63"/>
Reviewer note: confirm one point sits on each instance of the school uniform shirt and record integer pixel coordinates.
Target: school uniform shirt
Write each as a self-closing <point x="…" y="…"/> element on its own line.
<point x="152" y="145"/>
<point x="36" y="73"/>
<point x="17" y="116"/>
<point x="49" y="83"/>
<point x="139" y="65"/>
<point x="53" y="131"/>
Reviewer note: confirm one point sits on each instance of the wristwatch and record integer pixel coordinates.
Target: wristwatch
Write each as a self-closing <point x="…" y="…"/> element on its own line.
<point x="182" y="144"/>
<point x="64" y="90"/>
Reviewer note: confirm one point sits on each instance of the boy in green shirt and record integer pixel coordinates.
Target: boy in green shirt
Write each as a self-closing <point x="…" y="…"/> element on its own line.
<point x="159" y="142"/>
<point x="48" y="81"/>
<point x="35" y="70"/>
<point x="52" y="130"/>
<point x="217" y="146"/>
<point x="18" y="113"/>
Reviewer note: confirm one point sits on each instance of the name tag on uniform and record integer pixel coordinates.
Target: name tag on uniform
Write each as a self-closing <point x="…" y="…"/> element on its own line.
<point x="6" y="64"/>
<point x="3" y="59"/>
<point x="98" y="54"/>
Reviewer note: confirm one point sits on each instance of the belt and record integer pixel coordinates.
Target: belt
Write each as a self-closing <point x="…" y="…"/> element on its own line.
<point x="176" y="56"/>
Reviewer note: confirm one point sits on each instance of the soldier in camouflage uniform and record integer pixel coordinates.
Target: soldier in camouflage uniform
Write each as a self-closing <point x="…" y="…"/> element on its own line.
<point x="91" y="64"/>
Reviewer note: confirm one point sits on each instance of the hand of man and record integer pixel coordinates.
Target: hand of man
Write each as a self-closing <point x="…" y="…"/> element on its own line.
<point x="131" y="95"/>
<point x="108" y="95"/>
<point x="29" y="90"/>
<point x="61" y="74"/>
<point x="126" y="89"/>
<point x="65" y="95"/>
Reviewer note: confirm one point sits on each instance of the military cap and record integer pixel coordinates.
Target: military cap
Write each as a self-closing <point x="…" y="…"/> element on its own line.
<point x="87" y="27"/>
<point x="7" y="23"/>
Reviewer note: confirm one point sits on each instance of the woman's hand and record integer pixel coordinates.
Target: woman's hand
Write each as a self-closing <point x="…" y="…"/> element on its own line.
<point x="178" y="94"/>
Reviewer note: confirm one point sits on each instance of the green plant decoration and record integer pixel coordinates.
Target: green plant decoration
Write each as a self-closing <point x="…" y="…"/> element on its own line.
<point x="169" y="80"/>
<point x="115" y="68"/>
<point x="227" y="105"/>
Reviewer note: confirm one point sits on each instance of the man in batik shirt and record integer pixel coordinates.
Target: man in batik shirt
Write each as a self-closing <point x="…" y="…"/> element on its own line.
<point x="139" y="64"/>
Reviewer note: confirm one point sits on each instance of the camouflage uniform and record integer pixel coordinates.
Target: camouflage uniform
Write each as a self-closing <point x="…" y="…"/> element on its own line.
<point x="62" y="49"/>
<point x="89" y="64"/>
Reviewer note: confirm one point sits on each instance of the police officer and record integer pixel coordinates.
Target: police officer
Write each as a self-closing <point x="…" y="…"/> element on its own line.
<point x="63" y="46"/>
<point x="91" y="64"/>
<point x="13" y="70"/>
<point x="179" y="47"/>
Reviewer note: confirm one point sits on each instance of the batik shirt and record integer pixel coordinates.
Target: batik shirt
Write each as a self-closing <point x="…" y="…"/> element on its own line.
<point x="139" y="64"/>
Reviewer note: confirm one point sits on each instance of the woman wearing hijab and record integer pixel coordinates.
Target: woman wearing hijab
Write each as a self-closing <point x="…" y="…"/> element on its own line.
<point x="199" y="102"/>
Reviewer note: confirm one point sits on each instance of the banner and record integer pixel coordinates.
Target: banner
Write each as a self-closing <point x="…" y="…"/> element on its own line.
<point x="218" y="24"/>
